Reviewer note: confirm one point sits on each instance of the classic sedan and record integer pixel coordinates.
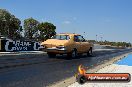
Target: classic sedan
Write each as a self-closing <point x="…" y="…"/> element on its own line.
<point x="65" y="43"/>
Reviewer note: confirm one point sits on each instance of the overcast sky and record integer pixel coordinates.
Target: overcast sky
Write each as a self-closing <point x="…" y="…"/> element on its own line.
<point x="110" y="19"/>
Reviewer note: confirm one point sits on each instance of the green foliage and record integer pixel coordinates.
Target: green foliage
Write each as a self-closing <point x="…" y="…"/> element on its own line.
<point x="9" y="25"/>
<point x="33" y="30"/>
<point x="118" y="44"/>
<point x="30" y="27"/>
<point x="91" y="41"/>
<point x="47" y="30"/>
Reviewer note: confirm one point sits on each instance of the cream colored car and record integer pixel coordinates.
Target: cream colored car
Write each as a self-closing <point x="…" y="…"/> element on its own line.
<point x="70" y="44"/>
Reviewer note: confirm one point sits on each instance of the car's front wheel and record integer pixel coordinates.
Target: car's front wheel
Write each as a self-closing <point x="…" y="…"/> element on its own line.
<point x="73" y="54"/>
<point x="90" y="52"/>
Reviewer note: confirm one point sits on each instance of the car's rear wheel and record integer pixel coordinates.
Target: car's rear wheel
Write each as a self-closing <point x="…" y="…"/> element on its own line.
<point x="50" y="55"/>
<point x="90" y="52"/>
<point x="73" y="54"/>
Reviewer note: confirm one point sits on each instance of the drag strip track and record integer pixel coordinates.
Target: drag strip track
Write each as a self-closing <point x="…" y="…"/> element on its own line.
<point x="52" y="70"/>
<point x="10" y="61"/>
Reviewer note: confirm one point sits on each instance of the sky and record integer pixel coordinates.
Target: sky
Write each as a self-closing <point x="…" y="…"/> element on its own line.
<point x="109" y="19"/>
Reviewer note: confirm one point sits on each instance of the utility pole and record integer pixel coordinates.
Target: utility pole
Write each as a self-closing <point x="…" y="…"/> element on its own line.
<point x="96" y="38"/>
<point x="84" y="35"/>
<point x="101" y="38"/>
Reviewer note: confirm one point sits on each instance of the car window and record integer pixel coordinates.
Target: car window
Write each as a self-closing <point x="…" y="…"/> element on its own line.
<point x="61" y="37"/>
<point x="76" y="39"/>
<point x="79" y="38"/>
<point x="68" y="37"/>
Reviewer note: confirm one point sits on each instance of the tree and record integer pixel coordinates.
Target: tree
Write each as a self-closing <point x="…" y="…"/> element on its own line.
<point x="9" y="25"/>
<point x="15" y="26"/>
<point x="30" y="27"/>
<point x="47" y="30"/>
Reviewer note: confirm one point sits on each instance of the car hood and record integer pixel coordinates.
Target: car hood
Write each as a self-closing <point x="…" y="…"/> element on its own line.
<point x="54" y="42"/>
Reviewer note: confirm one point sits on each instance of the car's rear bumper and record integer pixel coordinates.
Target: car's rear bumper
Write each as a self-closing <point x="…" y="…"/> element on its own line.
<point x="56" y="50"/>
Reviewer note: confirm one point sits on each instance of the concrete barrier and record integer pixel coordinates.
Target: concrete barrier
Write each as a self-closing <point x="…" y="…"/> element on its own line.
<point x="17" y="45"/>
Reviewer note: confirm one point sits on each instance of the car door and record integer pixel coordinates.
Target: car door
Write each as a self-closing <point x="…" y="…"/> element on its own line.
<point x="77" y="43"/>
<point x="84" y="44"/>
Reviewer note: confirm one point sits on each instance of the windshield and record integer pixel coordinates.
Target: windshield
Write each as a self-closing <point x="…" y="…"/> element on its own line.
<point x="61" y="37"/>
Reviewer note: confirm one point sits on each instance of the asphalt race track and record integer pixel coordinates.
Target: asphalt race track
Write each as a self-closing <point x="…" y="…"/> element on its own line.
<point x="51" y="70"/>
